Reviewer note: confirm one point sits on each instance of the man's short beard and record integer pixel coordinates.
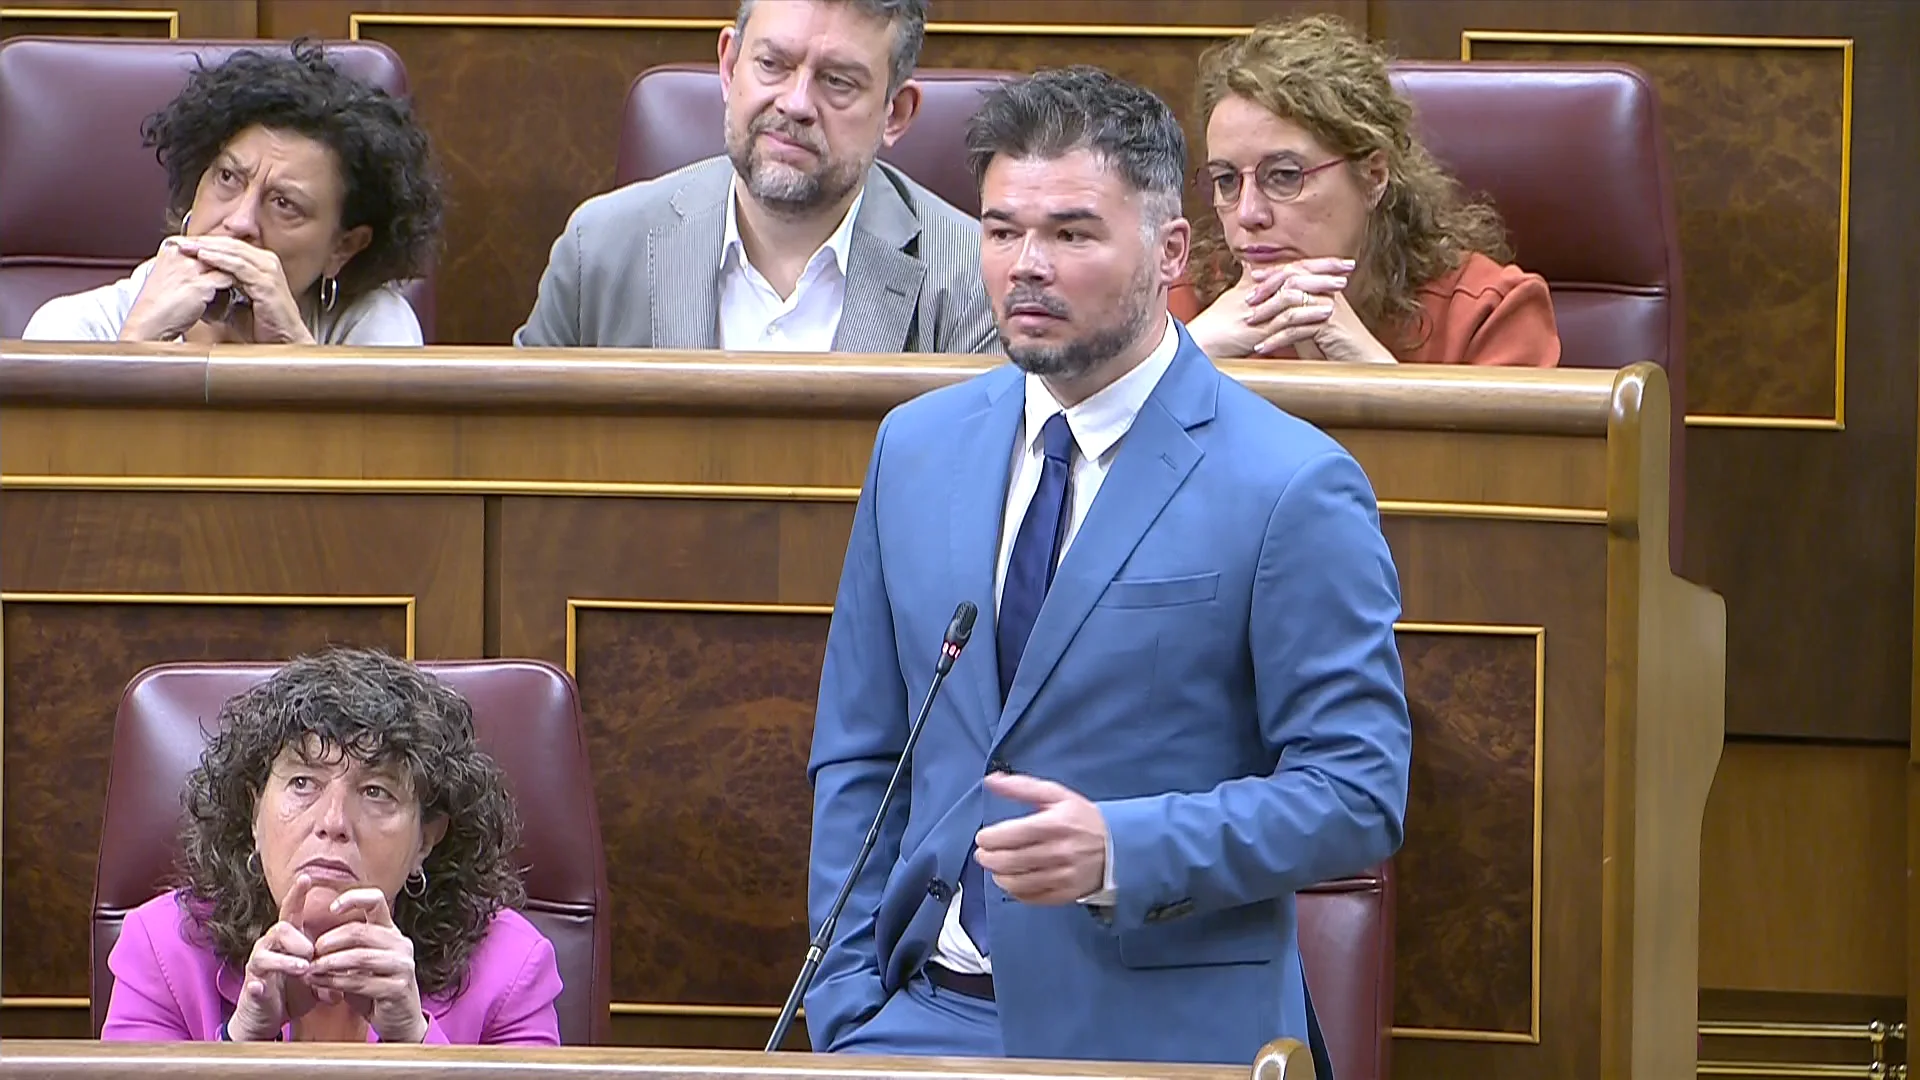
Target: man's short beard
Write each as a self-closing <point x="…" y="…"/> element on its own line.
<point x="783" y="188"/>
<point x="1072" y="360"/>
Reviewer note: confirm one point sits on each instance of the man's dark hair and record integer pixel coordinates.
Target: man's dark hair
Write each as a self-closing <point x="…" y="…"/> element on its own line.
<point x="1054" y="112"/>
<point x="908" y="18"/>
<point x="373" y="708"/>
<point x="392" y="184"/>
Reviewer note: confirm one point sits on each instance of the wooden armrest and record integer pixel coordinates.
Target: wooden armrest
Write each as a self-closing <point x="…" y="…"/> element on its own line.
<point x="1283" y="1059"/>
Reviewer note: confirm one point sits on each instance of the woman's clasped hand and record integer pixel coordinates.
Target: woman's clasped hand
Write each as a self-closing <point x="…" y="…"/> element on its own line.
<point x="347" y="952"/>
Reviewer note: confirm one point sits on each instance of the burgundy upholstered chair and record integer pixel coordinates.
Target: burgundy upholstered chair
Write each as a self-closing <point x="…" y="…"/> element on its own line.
<point x="1574" y="156"/>
<point x="1346" y="946"/>
<point x="674" y="116"/>
<point x="527" y="716"/>
<point x="81" y="203"/>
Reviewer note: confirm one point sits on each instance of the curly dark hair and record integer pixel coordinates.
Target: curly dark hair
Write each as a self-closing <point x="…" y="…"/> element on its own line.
<point x="379" y="710"/>
<point x="392" y="180"/>
<point x="1317" y="72"/>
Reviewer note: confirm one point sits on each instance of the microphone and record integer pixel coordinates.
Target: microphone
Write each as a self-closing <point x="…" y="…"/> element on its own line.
<point x="958" y="631"/>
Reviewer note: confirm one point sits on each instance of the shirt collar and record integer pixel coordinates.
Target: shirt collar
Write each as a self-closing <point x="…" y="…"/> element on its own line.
<point x="1099" y="422"/>
<point x="836" y="247"/>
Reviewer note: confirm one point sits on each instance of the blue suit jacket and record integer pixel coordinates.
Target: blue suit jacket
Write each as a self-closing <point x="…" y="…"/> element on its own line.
<point x="1214" y="666"/>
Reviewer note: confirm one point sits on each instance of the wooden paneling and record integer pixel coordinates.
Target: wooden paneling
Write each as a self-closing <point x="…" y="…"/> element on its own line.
<point x="1760" y="229"/>
<point x="687" y="586"/>
<point x="130" y="20"/>
<point x="1476" y="748"/>
<point x="721" y="702"/>
<point x="255" y="545"/>
<point x="1825" y="599"/>
<point x="698" y="720"/>
<point x="1475" y="702"/>
<point x="102" y="584"/>
<point x="66" y="664"/>
<point x="1803" y="871"/>
<point x="133" y="18"/>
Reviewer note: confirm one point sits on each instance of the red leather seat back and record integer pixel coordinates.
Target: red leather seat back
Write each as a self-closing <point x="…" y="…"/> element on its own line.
<point x="526" y="715"/>
<point x="1574" y="156"/>
<point x="1346" y="945"/>
<point x="81" y="202"/>
<point x="675" y="116"/>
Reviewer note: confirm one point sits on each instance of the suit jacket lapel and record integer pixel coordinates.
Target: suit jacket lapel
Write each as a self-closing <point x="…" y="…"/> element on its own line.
<point x="983" y="454"/>
<point x="683" y="263"/>
<point x="883" y="279"/>
<point x="1154" y="459"/>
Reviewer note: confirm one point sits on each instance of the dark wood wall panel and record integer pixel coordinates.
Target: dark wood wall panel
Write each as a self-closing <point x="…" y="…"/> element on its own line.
<point x="1475" y="704"/>
<point x="102" y="584"/>
<point x="66" y="664"/>
<point x="1807" y="533"/>
<point x="35" y="25"/>
<point x="698" y="720"/>
<point x="699" y="725"/>
<point x="1759" y="213"/>
<point x="256" y="545"/>
<point x="132" y="18"/>
<point x="1465" y="987"/>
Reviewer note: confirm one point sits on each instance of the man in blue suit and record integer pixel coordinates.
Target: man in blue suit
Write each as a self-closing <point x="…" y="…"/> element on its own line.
<point x="1191" y="703"/>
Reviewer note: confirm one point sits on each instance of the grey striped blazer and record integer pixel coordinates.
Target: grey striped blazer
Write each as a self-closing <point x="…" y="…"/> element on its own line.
<point x="639" y="268"/>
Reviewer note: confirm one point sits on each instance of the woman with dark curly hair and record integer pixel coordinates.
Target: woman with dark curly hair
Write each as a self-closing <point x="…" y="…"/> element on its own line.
<point x="345" y="877"/>
<point x="299" y="196"/>
<point x="1340" y="237"/>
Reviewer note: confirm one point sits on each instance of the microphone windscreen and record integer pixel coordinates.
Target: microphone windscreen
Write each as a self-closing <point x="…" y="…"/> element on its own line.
<point x="961" y="628"/>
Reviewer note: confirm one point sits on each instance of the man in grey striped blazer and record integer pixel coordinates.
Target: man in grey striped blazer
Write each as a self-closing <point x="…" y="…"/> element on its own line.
<point x="797" y="239"/>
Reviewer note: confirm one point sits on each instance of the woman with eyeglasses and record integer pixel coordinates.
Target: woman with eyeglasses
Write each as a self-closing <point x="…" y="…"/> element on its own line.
<point x="1340" y="237"/>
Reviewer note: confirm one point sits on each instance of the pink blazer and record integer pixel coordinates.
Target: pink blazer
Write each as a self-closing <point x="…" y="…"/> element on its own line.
<point x="168" y="989"/>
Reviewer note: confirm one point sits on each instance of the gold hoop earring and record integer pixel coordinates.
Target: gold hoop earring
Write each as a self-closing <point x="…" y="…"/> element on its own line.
<point x="186" y="220"/>
<point x="329" y="293"/>
<point x="409" y="888"/>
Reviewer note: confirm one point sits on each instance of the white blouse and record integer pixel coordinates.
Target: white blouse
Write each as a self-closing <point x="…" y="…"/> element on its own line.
<point x="380" y="318"/>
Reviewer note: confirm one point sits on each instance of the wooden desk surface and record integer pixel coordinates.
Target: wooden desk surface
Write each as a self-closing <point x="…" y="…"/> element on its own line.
<point x="1283" y="1059"/>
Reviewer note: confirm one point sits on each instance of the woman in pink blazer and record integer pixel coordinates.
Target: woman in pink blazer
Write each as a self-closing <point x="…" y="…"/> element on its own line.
<point x="345" y="877"/>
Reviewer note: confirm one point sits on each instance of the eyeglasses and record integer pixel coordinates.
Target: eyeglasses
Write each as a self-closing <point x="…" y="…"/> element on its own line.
<point x="1280" y="179"/>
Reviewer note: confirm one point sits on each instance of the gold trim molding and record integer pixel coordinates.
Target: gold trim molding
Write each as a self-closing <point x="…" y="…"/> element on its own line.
<point x="360" y="19"/>
<point x="319" y="485"/>
<point x="405" y="603"/>
<point x="1838" y="421"/>
<point x="1539" y="636"/>
<point x="166" y="15"/>
<point x="310" y="485"/>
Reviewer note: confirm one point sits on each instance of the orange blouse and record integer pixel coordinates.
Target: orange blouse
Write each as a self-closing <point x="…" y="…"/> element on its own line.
<point x="1484" y="313"/>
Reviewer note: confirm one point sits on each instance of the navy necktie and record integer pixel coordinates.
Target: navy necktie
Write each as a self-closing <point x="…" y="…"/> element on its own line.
<point x="1036" y="551"/>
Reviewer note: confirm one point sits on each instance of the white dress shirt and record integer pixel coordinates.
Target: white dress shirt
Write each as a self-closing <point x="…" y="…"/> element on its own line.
<point x="754" y="317"/>
<point x="1098" y="424"/>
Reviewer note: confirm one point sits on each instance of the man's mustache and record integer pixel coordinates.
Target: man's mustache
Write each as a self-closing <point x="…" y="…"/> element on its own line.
<point x="790" y="132"/>
<point x="1026" y="295"/>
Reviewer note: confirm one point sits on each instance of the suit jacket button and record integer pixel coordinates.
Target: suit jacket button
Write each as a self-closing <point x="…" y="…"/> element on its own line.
<point x="938" y="890"/>
<point x="999" y="764"/>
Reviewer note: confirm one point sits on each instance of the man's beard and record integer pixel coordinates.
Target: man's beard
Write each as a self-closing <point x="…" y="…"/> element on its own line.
<point x="1076" y="358"/>
<point x="781" y="187"/>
